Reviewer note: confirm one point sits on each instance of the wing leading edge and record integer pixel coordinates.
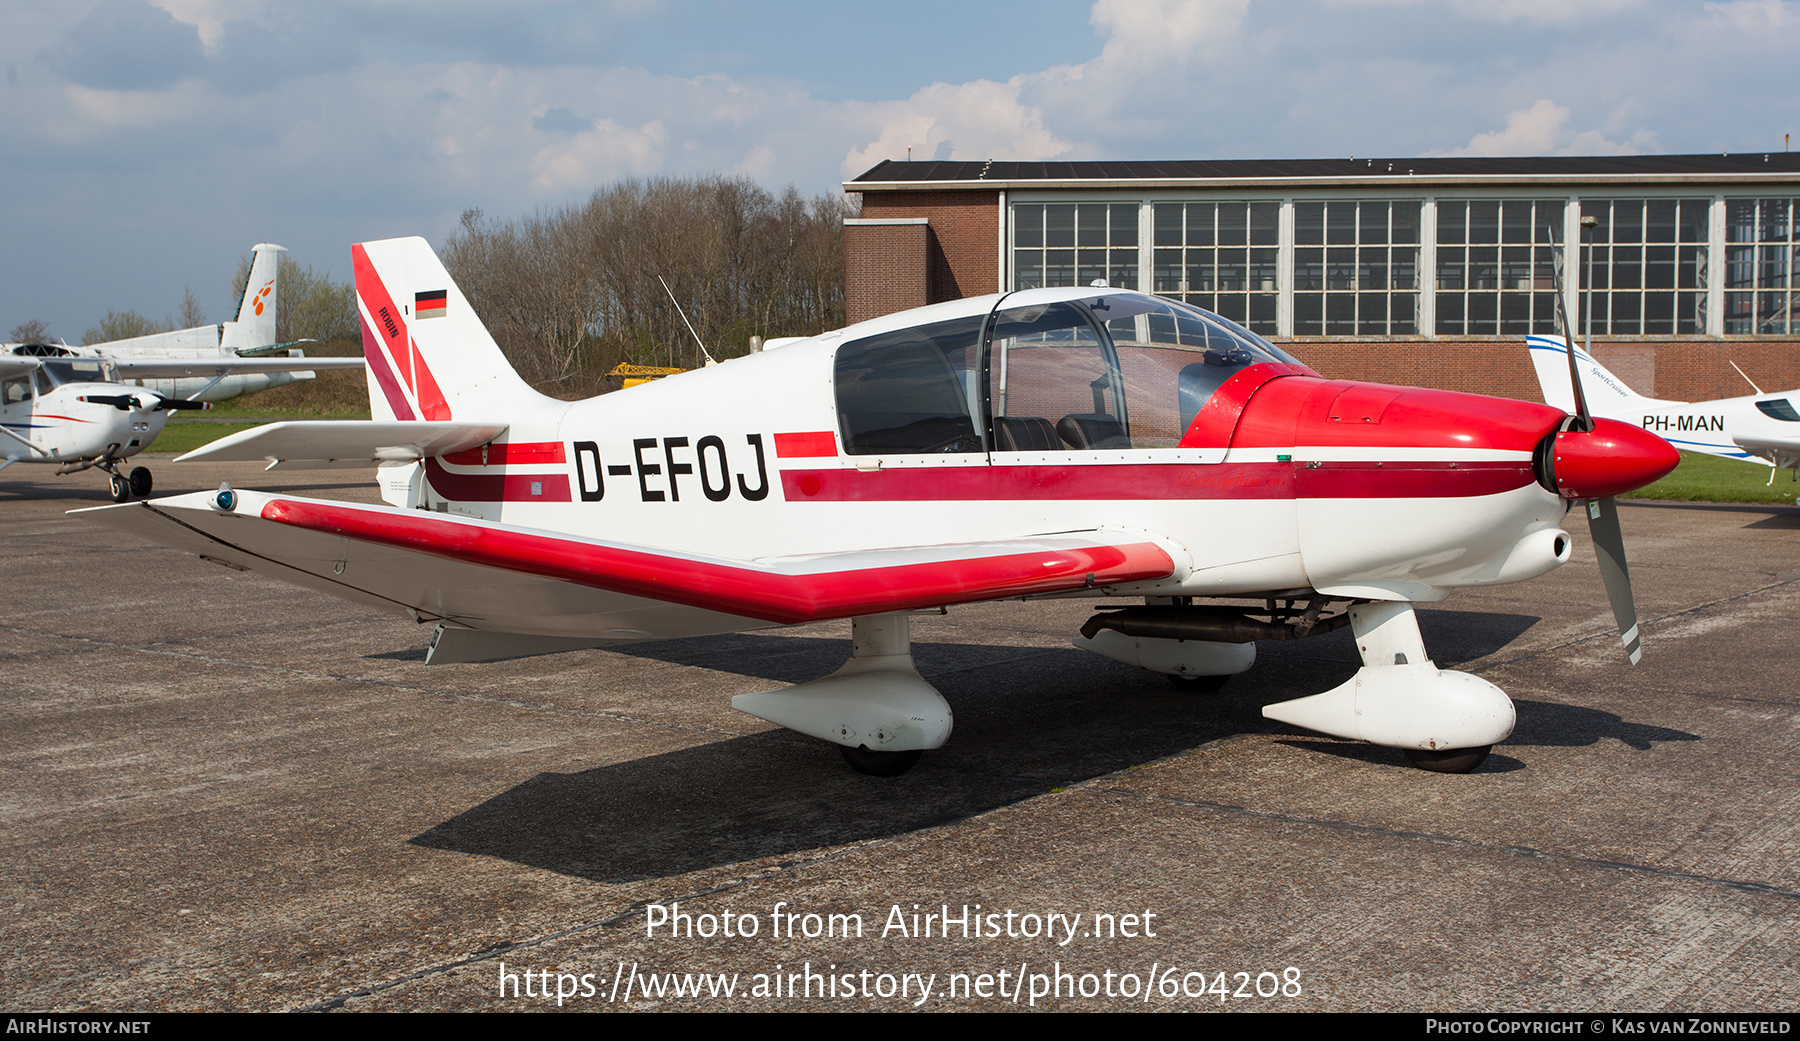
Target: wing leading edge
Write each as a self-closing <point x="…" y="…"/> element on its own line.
<point x="504" y="578"/>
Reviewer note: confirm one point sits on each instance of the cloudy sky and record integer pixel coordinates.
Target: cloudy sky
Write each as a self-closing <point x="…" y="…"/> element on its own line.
<point x="149" y="143"/>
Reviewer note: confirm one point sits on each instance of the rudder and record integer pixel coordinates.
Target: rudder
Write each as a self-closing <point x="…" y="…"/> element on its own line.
<point x="429" y="356"/>
<point x="255" y="325"/>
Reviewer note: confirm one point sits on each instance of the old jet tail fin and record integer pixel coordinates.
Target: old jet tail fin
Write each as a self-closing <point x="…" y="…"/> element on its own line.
<point x="429" y="357"/>
<point x="255" y="325"/>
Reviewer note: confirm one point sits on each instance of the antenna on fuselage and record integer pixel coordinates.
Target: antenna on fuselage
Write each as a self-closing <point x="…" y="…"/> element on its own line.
<point x="710" y="360"/>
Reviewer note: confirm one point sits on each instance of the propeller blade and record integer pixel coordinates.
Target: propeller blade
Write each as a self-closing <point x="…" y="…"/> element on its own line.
<point x="1609" y="546"/>
<point x="1583" y="421"/>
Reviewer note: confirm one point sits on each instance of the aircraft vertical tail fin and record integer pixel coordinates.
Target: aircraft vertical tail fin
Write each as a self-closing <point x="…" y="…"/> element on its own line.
<point x="255" y="325"/>
<point x="429" y="356"/>
<point x="1607" y="394"/>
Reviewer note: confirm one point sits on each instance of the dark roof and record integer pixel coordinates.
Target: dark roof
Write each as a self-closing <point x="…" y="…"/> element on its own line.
<point x="925" y="174"/>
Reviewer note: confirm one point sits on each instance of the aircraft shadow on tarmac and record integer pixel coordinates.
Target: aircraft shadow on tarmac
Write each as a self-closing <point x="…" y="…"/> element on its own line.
<point x="1028" y="720"/>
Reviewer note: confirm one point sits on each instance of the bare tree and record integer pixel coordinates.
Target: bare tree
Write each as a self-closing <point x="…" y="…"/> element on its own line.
<point x="34" y="331"/>
<point x="123" y="325"/>
<point x="192" y="314"/>
<point x="570" y="292"/>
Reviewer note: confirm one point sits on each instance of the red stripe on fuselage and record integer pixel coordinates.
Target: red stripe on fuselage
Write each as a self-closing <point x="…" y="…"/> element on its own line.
<point x="809" y="445"/>
<point x="1159" y="481"/>
<point x="496" y="487"/>
<point x="747" y="592"/>
<point x="515" y="453"/>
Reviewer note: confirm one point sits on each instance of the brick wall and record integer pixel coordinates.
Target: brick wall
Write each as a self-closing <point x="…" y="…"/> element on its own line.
<point x="885" y="269"/>
<point x="963" y="247"/>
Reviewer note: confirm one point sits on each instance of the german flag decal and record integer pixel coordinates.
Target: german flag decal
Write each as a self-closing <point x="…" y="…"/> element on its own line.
<point x="429" y="305"/>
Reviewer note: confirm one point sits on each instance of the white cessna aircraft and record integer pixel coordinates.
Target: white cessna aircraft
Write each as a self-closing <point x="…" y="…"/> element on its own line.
<point x="1758" y="428"/>
<point x="77" y="413"/>
<point x="1041" y="443"/>
<point x="210" y="362"/>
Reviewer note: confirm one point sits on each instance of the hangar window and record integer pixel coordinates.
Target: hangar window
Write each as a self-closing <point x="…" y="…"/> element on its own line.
<point x="1649" y="266"/>
<point x="1496" y="266"/>
<point x="1070" y="244"/>
<point x="1356" y="268"/>
<point x="1760" y="251"/>
<point x="909" y="392"/>
<point x="1221" y="256"/>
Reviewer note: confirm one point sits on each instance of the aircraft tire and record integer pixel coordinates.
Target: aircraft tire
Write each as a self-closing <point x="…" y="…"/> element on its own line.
<point x="121" y="489"/>
<point x="1448" y="761"/>
<point x="1197" y="684"/>
<point x="879" y="764"/>
<point x="139" y="482"/>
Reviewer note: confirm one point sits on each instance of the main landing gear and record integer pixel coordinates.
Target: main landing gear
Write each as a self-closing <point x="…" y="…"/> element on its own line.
<point x="1444" y="721"/>
<point x="136" y="485"/>
<point x="877" y="709"/>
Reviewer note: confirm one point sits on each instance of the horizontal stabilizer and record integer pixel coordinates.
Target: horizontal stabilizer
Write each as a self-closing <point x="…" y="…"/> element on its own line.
<point x="352" y="442"/>
<point x="224" y="365"/>
<point x="497" y="577"/>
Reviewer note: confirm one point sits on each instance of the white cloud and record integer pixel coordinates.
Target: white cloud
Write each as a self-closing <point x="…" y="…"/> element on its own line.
<point x="209" y="16"/>
<point x="603" y="153"/>
<point x="1753" y="16"/>
<point x="1148" y="46"/>
<point x="1543" y="129"/>
<point x="979" y="120"/>
<point x="1534" y="12"/>
<point x="1149" y="34"/>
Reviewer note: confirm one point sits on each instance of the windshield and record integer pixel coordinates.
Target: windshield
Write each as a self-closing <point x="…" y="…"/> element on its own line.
<point x="1042" y="373"/>
<point x="77" y="370"/>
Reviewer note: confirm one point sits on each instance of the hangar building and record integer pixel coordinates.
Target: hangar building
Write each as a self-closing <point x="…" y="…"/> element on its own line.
<point x="1425" y="271"/>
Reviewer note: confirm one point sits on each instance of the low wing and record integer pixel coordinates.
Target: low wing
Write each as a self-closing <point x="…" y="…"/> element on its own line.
<point x="222" y="365"/>
<point x="1784" y="452"/>
<point x="503" y="578"/>
<point x="324" y="443"/>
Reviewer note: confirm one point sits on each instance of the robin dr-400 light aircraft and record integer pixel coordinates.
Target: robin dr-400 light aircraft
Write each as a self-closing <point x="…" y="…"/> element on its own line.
<point x="1040" y="443"/>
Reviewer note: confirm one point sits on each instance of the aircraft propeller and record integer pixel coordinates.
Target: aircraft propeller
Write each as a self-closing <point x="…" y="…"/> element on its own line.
<point x="1592" y="461"/>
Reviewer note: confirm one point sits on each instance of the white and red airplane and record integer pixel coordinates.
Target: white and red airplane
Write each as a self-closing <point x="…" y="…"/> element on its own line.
<point x="1041" y="443"/>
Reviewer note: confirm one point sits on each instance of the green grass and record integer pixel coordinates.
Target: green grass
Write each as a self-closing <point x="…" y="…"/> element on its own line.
<point x="258" y="408"/>
<point x="185" y="437"/>
<point x="1707" y="478"/>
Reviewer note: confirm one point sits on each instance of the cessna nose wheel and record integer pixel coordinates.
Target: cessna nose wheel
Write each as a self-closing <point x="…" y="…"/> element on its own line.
<point x="121" y="488"/>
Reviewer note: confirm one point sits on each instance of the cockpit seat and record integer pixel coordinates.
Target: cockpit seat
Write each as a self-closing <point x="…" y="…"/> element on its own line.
<point x="1025" y="434"/>
<point x="1092" y="431"/>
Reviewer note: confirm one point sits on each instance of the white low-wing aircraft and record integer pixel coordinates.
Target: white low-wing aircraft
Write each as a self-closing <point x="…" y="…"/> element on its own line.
<point x="210" y="362"/>
<point x="1041" y="443"/>
<point x="1758" y="428"/>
